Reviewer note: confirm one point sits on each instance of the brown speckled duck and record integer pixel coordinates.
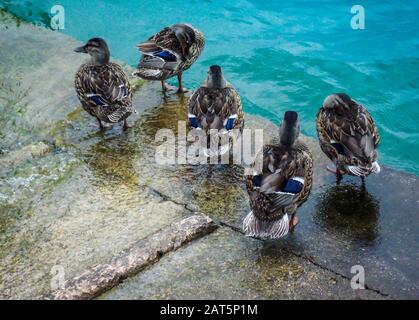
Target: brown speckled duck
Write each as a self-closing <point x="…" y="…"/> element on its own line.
<point x="348" y="136"/>
<point x="102" y="86"/>
<point x="169" y="53"/>
<point x="216" y="105"/>
<point x="280" y="182"/>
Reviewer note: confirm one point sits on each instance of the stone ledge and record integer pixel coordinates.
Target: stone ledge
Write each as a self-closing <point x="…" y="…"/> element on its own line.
<point x="103" y="277"/>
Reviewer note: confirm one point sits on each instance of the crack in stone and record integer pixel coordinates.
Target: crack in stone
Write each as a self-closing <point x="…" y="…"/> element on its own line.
<point x="239" y="230"/>
<point x="309" y="259"/>
<point x="165" y="197"/>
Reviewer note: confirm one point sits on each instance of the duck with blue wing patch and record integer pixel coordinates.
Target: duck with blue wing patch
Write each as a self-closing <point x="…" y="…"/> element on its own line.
<point x="170" y="52"/>
<point x="102" y="86"/>
<point x="216" y="106"/>
<point x="348" y="136"/>
<point x="280" y="182"/>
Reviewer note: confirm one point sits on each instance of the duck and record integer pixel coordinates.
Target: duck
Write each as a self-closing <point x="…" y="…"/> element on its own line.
<point x="278" y="182"/>
<point x="169" y="53"/>
<point x="348" y="136"/>
<point x="216" y="105"/>
<point x="102" y="86"/>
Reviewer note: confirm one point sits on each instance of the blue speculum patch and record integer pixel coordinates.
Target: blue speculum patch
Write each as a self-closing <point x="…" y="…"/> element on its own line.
<point x="293" y="186"/>
<point x="230" y="123"/>
<point x="193" y="122"/>
<point x="98" y="100"/>
<point x="166" y="55"/>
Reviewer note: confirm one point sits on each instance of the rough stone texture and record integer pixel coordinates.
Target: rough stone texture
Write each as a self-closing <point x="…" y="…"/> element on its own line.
<point x="28" y="152"/>
<point x="226" y="265"/>
<point x="102" y="277"/>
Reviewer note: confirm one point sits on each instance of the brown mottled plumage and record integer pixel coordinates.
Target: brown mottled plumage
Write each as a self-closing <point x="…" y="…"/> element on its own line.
<point x="348" y="136"/>
<point x="212" y="107"/>
<point x="102" y="86"/>
<point x="170" y="52"/>
<point x="216" y="105"/>
<point x="280" y="182"/>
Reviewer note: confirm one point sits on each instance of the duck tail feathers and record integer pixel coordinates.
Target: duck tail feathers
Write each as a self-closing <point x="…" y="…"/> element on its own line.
<point x="255" y="228"/>
<point x="363" y="171"/>
<point x="376" y="167"/>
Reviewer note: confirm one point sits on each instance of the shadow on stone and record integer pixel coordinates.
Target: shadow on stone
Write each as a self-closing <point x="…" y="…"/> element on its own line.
<point x="349" y="211"/>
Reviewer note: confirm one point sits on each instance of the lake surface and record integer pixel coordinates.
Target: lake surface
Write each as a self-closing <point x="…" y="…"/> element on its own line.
<point x="280" y="55"/>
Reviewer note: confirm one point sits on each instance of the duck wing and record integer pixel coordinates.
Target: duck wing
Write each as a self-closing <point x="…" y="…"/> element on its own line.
<point x="169" y="51"/>
<point x="279" y="183"/>
<point x="106" y="91"/>
<point x="348" y="135"/>
<point x="171" y="43"/>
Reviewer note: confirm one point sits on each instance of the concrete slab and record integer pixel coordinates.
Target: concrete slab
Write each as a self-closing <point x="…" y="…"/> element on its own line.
<point x="226" y="265"/>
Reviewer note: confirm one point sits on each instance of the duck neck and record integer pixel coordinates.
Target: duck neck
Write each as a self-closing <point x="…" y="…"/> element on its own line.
<point x="286" y="144"/>
<point x="101" y="59"/>
<point x="288" y="136"/>
<point x="216" y="82"/>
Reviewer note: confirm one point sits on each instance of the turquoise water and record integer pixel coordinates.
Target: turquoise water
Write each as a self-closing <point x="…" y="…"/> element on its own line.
<point x="280" y="54"/>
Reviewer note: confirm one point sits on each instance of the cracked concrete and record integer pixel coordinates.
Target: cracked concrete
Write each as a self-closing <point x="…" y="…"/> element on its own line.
<point x="226" y="265"/>
<point x="126" y="291"/>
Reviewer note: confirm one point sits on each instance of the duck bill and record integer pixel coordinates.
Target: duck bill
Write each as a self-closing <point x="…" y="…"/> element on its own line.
<point x="81" y="49"/>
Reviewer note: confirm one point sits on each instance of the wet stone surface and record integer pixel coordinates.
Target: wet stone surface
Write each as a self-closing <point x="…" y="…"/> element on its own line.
<point x="146" y="252"/>
<point x="226" y="265"/>
<point x="91" y="195"/>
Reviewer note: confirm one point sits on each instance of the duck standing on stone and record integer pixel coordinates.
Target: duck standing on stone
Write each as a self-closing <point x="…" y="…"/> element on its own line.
<point x="280" y="181"/>
<point x="216" y="105"/>
<point x="169" y="53"/>
<point x="102" y="86"/>
<point x="348" y="136"/>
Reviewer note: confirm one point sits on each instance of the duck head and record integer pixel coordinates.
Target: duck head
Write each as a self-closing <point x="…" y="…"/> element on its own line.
<point x="98" y="49"/>
<point x="341" y="100"/>
<point x="186" y="37"/>
<point x="215" y="79"/>
<point x="289" y="129"/>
